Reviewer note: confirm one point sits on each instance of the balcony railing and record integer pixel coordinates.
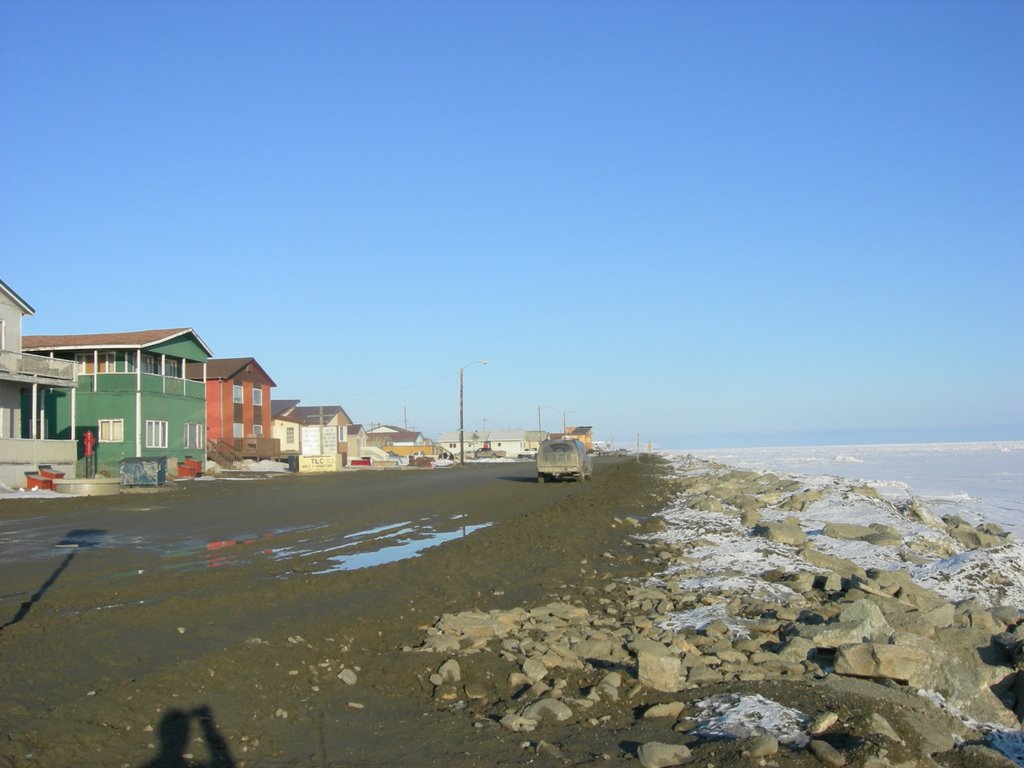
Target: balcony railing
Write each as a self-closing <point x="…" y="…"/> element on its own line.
<point x="19" y="366"/>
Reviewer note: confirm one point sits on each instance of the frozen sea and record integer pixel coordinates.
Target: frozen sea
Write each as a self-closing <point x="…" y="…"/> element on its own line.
<point x="981" y="482"/>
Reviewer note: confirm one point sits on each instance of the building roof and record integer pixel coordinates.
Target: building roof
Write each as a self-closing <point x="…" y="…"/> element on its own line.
<point x="22" y="304"/>
<point x="127" y="340"/>
<point x="310" y="414"/>
<point x="225" y="368"/>
<point x="279" y="408"/>
<point x="578" y="430"/>
<point x="399" y="436"/>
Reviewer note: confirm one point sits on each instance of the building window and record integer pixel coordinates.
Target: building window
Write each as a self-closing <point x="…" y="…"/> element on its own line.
<point x="193" y="435"/>
<point x="257" y="396"/>
<point x="257" y="429"/>
<point x="172" y="368"/>
<point x="111" y="430"/>
<point x="156" y="434"/>
<point x="236" y="393"/>
<point x="150" y="364"/>
<point x="83" y="362"/>
<point x="289" y="434"/>
<point x="238" y="430"/>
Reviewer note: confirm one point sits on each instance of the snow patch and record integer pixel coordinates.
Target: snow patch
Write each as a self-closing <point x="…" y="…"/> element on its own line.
<point x="732" y="716"/>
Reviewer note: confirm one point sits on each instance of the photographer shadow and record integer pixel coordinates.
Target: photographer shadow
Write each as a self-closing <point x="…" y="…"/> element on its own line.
<point x="175" y="730"/>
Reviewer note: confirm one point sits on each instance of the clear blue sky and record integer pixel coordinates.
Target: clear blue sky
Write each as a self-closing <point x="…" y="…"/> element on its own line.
<point x="703" y="223"/>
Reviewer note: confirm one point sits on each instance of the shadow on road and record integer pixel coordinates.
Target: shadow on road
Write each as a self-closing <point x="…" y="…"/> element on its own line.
<point x="75" y="540"/>
<point x="175" y="727"/>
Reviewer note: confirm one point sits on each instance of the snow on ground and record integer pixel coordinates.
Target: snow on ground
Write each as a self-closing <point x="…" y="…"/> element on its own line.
<point x="978" y="482"/>
<point x="29" y="493"/>
<point x="734" y="716"/>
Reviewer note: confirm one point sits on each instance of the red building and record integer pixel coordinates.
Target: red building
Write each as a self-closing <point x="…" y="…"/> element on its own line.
<point x="238" y="413"/>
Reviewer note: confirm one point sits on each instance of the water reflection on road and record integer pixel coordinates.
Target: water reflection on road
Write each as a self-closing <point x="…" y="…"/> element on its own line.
<point x="374" y="546"/>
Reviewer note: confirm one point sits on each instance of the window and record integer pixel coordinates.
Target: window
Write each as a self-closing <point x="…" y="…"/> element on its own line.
<point x="172" y="368"/>
<point x="236" y="395"/>
<point x="111" y="430"/>
<point x="83" y="362"/>
<point x="193" y="435"/>
<point x="150" y="364"/>
<point x="289" y="434"/>
<point x="107" y="362"/>
<point x="156" y="434"/>
<point x="257" y="429"/>
<point x="238" y="430"/>
<point x="257" y="396"/>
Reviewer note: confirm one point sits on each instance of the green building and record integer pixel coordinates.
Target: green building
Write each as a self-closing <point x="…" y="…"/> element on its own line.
<point x="132" y="395"/>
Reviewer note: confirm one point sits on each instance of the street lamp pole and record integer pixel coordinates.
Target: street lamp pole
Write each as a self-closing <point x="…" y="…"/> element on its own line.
<point x="539" y="407"/>
<point x="462" y="426"/>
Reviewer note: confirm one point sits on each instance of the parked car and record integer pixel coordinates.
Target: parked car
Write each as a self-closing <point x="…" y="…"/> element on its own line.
<point x="557" y="459"/>
<point x="487" y="453"/>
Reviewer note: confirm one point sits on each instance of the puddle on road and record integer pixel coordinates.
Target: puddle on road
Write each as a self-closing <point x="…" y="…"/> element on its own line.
<point x="396" y="552"/>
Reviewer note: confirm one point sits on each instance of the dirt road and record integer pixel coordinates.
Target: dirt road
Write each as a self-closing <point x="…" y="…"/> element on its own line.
<point x="225" y="623"/>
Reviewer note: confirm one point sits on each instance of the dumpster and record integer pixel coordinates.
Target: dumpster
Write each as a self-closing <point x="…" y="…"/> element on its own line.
<point x="36" y="482"/>
<point x="141" y="470"/>
<point x="189" y="468"/>
<point x="45" y="470"/>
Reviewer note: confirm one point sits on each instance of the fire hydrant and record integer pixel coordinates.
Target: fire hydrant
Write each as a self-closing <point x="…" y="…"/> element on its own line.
<point x="90" y="460"/>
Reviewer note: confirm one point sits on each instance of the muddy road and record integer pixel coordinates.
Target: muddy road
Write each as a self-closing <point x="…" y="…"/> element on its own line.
<point x="267" y="622"/>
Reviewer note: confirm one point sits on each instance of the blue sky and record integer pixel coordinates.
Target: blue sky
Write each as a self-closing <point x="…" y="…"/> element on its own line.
<point x="700" y="223"/>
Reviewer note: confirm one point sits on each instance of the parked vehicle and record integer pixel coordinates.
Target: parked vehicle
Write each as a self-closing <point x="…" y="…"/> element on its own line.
<point x="557" y="459"/>
<point x="487" y="453"/>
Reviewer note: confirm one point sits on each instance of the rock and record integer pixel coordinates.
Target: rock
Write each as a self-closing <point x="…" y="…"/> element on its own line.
<point x="547" y="709"/>
<point x="881" y="726"/>
<point x="750" y="517"/>
<point x="348" y="676"/>
<point x="822" y="723"/>
<point x="847" y="531"/>
<point x="826" y="753"/>
<point x="450" y="672"/>
<point x="845" y="568"/>
<point x="517" y="724"/>
<point x="534" y="669"/>
<point x="550" y="751"/>
<point x="668" y="709"/>
<point x="799" y="502"/>
<point x="873" y="660"/>
<point x="656" y="754"/>
<point x="859" y="622"/>
<point x="596" y="649"/>
<point x="659" y="671"/>
<point x="441" y="644"/>
<point x="761" y="746"/>
<point x="477" y="624"/>
<point x="781" y="533"/>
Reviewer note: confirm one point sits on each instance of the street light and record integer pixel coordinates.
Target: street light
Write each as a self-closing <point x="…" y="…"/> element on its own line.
<point x="563" y="421"/>
<point x="462" y="427"/>
<point x="539" y="427"/>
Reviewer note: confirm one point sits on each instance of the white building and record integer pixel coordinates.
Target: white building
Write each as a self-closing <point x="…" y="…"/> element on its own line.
<point x="512" y="442"/>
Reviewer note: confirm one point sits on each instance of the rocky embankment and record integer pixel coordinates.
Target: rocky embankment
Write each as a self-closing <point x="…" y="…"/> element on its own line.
<point x="755" y="640"/>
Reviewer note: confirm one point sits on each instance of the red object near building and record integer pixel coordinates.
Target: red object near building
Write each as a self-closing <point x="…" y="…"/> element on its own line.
<point x="35" y="481"/>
